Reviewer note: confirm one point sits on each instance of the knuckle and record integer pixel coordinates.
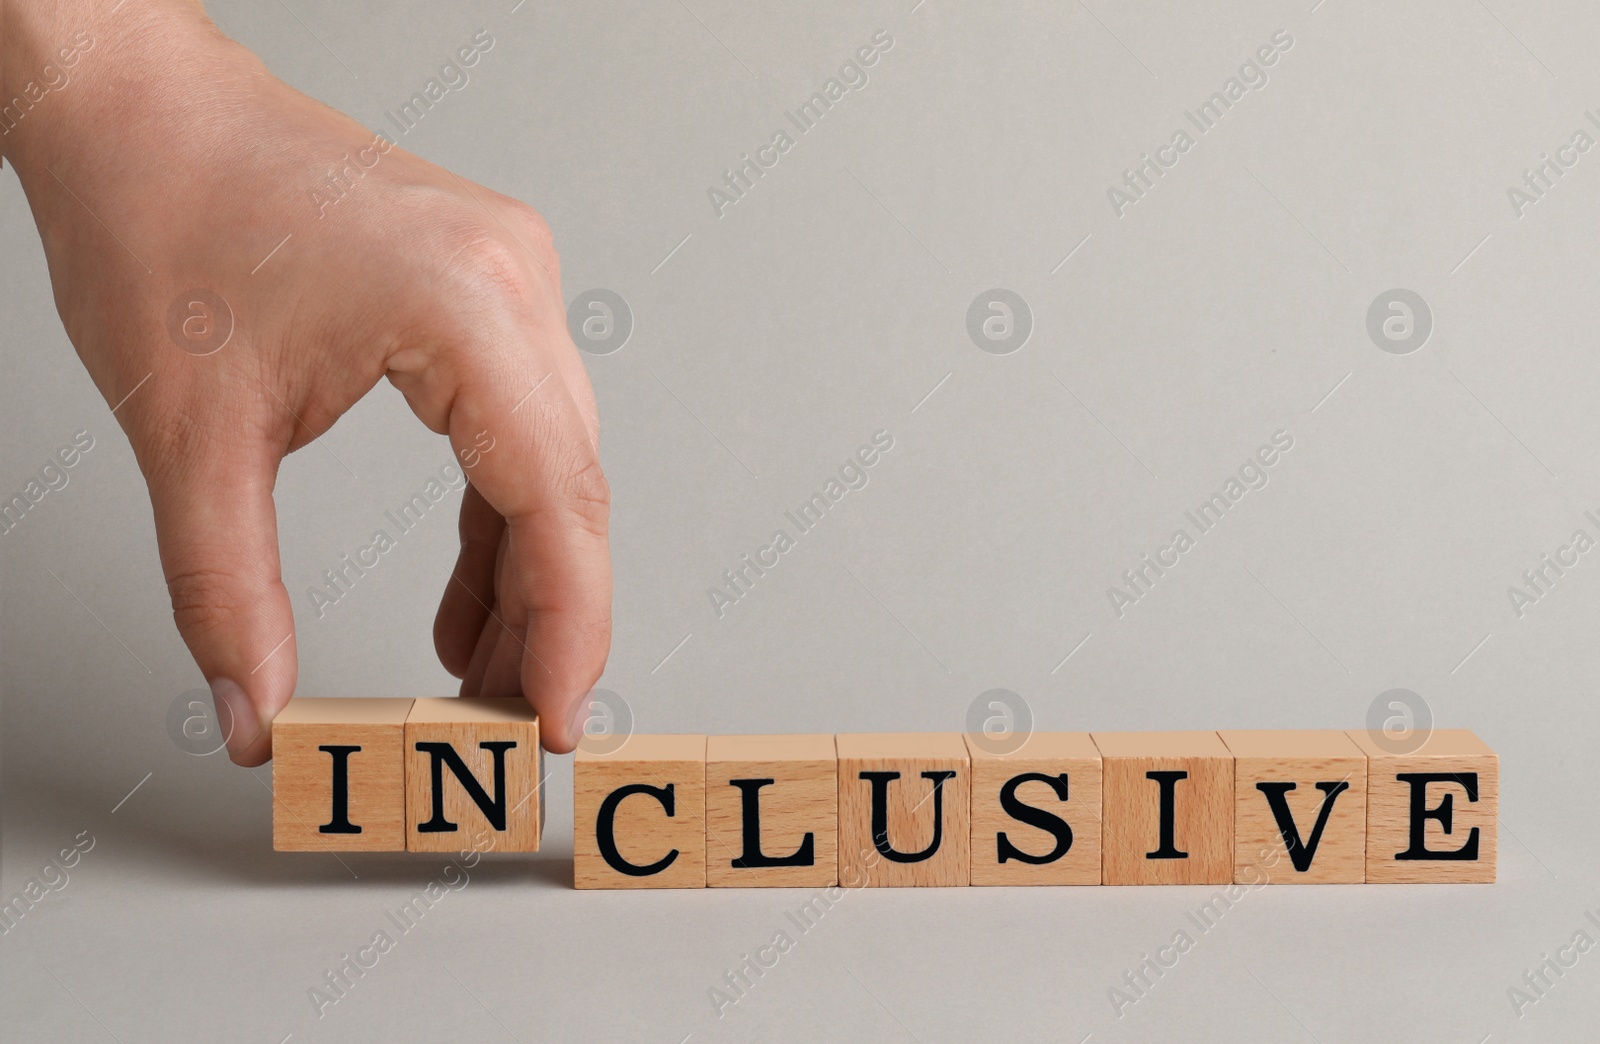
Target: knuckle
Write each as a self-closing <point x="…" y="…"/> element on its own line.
<point x="495" y="266"/>
<point x="515" y="270"/>
<point x="540" y="240"/>
<point x="533" y="223"/>
<point x="588" y="496"/>
<point x="169" y="437"/>
<point x="202" y="601"/>
<point x="176" y="438"/>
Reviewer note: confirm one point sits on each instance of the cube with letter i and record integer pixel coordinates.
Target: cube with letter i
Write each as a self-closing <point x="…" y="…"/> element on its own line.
<point x="1167" y="807"/>
<point x="338" y="775"/>
<point x="473" y="775"/>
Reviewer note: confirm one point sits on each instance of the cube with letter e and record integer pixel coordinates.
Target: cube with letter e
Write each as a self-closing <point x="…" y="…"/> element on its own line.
<point x="1432" y="806"/>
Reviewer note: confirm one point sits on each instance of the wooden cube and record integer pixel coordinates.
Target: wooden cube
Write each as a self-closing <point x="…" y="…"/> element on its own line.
<point x="772" y="817"/>
<point x="639" y="814"/>
<point x="1167" y="808"/>
<point x="1036" y="812"/>
<point x="904" y="809"/>
<point x="338" y="775"/>
<point x="1300" y="807"/>
<point x="473" y="775"/>
<point x="1432" y="812"/>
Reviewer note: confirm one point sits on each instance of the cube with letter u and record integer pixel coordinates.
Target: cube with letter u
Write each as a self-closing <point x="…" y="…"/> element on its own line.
<point x="904" y="809"/>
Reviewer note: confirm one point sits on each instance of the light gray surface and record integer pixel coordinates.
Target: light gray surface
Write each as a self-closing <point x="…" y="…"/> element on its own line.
<point x="1228" y="304"/>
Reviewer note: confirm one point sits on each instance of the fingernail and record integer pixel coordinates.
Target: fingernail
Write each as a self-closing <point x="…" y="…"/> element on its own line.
<point x="236" y="716"/>
<point x="580" y="718"/>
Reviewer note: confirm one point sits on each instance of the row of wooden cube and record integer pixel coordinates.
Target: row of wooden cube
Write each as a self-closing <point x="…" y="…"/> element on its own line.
<point x="394" y="775"/>
<point x="893" y="809"/>
<point x="932" y="809"/>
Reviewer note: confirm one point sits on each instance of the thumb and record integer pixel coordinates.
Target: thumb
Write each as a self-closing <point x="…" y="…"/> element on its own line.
<point x="218" y="532"/>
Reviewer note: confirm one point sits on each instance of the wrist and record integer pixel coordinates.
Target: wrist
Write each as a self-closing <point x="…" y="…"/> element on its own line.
<point x="71" y="70"/>
<point x="96" y="97"/>
<point x="33" y="33"/>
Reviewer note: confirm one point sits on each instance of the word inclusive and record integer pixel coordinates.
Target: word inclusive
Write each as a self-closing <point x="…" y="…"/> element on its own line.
<point x="907" y="809"/>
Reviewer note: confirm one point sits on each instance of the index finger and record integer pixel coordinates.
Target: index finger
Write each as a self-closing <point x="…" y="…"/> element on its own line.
<point x="542" y="473"/>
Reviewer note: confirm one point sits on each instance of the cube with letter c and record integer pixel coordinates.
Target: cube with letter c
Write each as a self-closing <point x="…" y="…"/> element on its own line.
<point x="639" y="813"/>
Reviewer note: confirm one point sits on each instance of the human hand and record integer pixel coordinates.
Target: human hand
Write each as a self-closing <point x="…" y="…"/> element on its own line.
<point x="175" y="161"/>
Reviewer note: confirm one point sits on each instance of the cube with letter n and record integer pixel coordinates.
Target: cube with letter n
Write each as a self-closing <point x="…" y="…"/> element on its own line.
<point x="473" y="773"/>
